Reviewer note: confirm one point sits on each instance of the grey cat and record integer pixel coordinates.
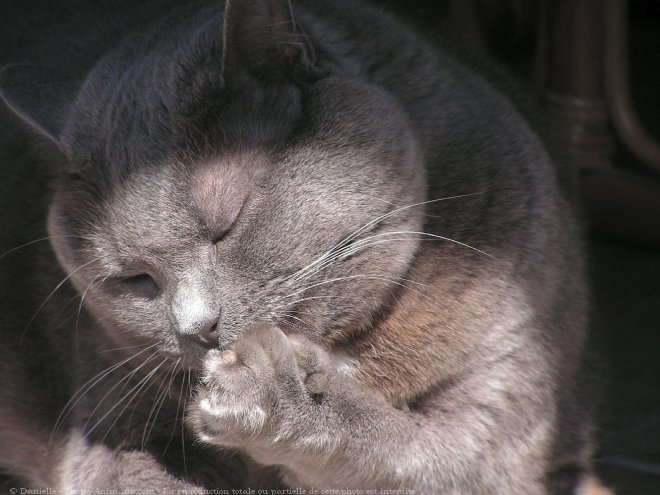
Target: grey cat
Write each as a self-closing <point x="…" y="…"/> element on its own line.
<point x="284" y="248"/>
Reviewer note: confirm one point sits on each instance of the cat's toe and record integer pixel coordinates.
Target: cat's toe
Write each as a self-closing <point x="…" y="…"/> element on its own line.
<point x="229" y="412"/>
<point x="314" y="362"/>
<point x="262" y="344"/>
<point x="218" y="363"/>
<point x="268" y="353"/>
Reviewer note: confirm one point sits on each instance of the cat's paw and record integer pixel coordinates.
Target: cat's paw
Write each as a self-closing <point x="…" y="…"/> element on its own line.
<point x="265" y="393"/>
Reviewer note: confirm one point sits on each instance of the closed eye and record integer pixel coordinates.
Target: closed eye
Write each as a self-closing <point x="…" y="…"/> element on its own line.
<point x="222" y="229"/>
<point x="219" y="235"/>
<point x="141" y="285"/>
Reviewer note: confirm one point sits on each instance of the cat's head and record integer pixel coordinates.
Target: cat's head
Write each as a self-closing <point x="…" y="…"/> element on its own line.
<point x="217" y="178"/>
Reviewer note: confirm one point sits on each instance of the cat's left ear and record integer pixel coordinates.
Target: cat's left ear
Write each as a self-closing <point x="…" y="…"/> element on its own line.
<point x="263" y="41"/>
<point x="39" y="96"/>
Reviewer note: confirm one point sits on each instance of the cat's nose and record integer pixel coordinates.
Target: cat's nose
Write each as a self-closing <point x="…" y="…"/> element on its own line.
<point x="208" y="333"/>
<point x="204" y="332"/>
<point x="195" y="312"/>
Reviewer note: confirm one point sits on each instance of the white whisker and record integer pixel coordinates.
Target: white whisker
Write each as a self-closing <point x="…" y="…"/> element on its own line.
<point x="52" y="293"/>
<point x="286" y="315"/>
<point x="348" y="251"/>
<point x="178" y="408"/>
<point x="139" y="386"/>
<point x="327" y="296"/>
<point x="301" y="273"/>
<point x="369" y="242"/>
<point x="350" y="277"/>
<point x="41" y="239"/>
<point x="82" y="300"/>
<point x="123" y="348"/>
<point x="124" y="380"/>
<point x="156" y="407"/>
<point x="183" y="429"/>
<point x="87" y="386"/>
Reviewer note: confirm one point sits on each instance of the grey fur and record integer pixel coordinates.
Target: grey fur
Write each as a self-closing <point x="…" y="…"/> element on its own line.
<point x="282" y="193"/>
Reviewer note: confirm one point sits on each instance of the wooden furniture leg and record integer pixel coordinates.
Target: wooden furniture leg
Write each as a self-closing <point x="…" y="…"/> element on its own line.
<point x="571" y="76"/>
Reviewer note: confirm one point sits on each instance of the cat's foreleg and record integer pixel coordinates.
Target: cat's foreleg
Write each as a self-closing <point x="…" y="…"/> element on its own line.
<point x="87" y="467"/>
<point x="281" y="400"/>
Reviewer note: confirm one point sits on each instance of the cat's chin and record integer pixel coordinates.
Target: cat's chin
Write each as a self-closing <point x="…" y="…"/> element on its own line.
<point x="192" y="360"/>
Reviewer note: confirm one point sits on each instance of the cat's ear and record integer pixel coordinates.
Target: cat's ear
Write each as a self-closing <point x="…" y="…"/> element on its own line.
<point x="40" y="96"/>
<point x="262" y="40"/>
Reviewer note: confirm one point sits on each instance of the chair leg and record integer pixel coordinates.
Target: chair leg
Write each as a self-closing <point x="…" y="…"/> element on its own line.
<point x="571" y="79"/>
<point x="617" y="87"/>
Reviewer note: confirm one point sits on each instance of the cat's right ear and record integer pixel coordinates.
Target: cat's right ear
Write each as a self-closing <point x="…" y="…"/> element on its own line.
<point x="39" y="96"/>
<point x="263" y="40"/>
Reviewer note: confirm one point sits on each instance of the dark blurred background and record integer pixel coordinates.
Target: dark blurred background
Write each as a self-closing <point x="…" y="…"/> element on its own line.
<point x="593" y="67"/>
